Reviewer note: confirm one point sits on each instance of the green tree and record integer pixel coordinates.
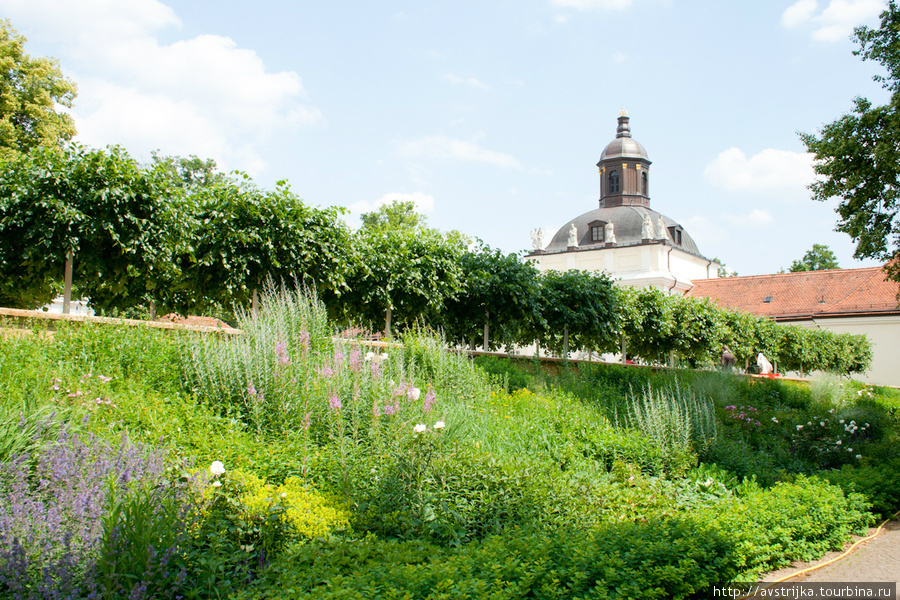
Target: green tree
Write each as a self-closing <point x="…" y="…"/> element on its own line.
<point x="245" y="235"/>
<point x="819" y="258"/>
<point x="499" y="301"/>
<point x="191" y="172"/>
<point x="122" y="223"/>
<point x="398" y="214"/>
<point x="400" y="275"/>
<point x="578" y="311"/>
<point x="723" y="270"/>
<point x="857" y="157"/>
<point x="30" y="90"/>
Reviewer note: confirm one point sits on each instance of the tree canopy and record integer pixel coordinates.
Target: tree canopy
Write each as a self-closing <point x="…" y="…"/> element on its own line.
<point x="398" y="214"/>
<point x="857" y="157"/>
<point x="819" y="258"/>
<point x="30" y="90"/>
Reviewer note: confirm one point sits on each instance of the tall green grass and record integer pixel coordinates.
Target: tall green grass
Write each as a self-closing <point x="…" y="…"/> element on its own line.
<point x="675" y="417"/>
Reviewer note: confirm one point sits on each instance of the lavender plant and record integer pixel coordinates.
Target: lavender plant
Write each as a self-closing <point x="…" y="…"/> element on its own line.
<point x="52" y="504"/>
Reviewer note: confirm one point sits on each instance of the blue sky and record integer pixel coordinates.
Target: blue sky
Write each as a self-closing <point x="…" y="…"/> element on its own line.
<point x="491" y="115"/>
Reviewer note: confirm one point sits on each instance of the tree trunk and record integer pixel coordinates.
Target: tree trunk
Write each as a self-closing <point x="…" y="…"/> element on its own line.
<point x="566" y="342"/>
<point x="387" y="323"/>
<point x="624" y="349"/>
<point x="152" y="310"/>
<point x="67" y="289"/>
<point x="254" y="305"/>
<point x="487" y="329"/>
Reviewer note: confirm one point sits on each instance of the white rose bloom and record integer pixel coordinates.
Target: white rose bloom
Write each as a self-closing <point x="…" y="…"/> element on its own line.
<point x="415" y="393"/>
<point x="420" y="428"/>
<point x="439" y="425"/>
<point x="217" y="468"/>
<point x="217" y="484"/>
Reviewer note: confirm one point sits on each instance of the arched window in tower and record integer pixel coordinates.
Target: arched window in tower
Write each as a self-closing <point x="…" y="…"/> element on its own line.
<point x="645" y="187"/>
<point x="613" y="182"/>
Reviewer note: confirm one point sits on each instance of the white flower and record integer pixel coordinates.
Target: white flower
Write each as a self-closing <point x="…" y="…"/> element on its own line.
<point x="415" y="393"/>
<point x="839" y="442"/>
<point x="841" y="421"/>
<point x="799" y="427"/>
<point x="369" y="356"/>
<point x="284" y="494"/>
<point x="217" y="483"/>
<point x="439" y="425"/>
<point x="858" y="456"/>
<point x="831" y="410"/>
<point x="822" y="423"/>
<point x="774" y="419"/>
<point x="217" y="468"/>
<point x="420" y="428"/>
<point x="849" y="449"/>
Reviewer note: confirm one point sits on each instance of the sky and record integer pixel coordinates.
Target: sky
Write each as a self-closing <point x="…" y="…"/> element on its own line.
<point x="490" y="115"/>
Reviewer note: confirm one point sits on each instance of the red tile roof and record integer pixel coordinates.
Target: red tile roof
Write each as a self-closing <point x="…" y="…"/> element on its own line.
<point x="804" y="295"/>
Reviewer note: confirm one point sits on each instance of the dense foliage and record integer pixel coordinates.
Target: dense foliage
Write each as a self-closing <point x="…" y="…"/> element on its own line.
<point x="856" y="156"/>
<point x="31" y="90"/>
<point x="287" y="463"/>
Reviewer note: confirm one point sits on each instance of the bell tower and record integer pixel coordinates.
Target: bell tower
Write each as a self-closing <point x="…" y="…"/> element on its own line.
<point x="624" y="170"/>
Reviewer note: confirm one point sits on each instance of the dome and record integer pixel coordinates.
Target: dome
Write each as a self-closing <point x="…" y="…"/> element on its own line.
<point x="624" y="146"/>
<point x="628" y="229"/>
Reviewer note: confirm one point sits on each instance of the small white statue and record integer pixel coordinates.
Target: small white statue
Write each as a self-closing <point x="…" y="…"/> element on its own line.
<point x="661" y="229"/>
<point x="537" y="238"/>
<point x="610" y="233"/>
<point x="573" y="235"/>
<point x="647" y="228"/>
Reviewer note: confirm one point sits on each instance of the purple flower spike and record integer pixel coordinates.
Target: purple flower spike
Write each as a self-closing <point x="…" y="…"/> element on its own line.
<point x="334" y="402"/>
<point x="281" y="353"/>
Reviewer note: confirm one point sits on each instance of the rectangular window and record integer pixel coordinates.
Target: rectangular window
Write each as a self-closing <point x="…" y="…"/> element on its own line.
<point x="597" y="233"/>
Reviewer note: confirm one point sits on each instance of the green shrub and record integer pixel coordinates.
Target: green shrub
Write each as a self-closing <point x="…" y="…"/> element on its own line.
<point x="658" y="559"/>
<point x="878" y="483"/>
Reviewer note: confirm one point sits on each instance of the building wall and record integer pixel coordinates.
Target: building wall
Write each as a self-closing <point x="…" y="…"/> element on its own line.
<point x="883" y="333"/>
<point x="650" y="265"/>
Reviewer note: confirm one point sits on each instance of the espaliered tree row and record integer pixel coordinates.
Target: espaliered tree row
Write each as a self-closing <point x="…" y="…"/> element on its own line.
<point x="179" y="235"/>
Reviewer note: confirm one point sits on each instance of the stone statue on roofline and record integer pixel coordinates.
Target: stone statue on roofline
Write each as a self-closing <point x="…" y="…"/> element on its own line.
<point x="647" y="228"/>
<point x="573" y="235"/>
<point x="537" y="238"/>
<point x="661" y="229"/>
<point x="610" y="233"/>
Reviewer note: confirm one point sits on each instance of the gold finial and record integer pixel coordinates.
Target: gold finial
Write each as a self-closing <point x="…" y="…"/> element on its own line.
<point x="623" y="112"/>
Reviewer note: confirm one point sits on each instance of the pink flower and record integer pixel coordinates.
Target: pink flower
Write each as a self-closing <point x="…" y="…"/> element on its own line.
<point x="334" y="402"/>
<point x="430" y="397"/>
<point x="282" y="354"/>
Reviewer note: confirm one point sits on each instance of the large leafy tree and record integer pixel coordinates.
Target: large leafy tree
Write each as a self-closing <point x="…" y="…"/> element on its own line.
<point x="245" y="235"/>
<point x="31" y="89"/>
<point x="499" y="302"/>
<point x="818" y="258"/>
<point x="578" y="310"/>
<point x="857" y="157"/>
<point x="398" y="214"/>
<point x="120" y="221"/>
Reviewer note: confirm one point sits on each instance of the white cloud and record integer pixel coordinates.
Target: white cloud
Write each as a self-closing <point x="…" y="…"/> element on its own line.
<point x="619" y="57"/>
<point x="836" y="21"/>
<point x="439" y="146"/>
<point x="593" y="4"/>
<point x="798" y="13"/>
<point x="470" y="81"/>
<point x="560" y="19"/>
<point x="201" y="96"/>
<point x="770" y="170"/>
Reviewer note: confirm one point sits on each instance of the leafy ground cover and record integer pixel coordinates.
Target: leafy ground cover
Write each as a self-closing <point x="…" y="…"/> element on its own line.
<point x="283" y="464"/>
